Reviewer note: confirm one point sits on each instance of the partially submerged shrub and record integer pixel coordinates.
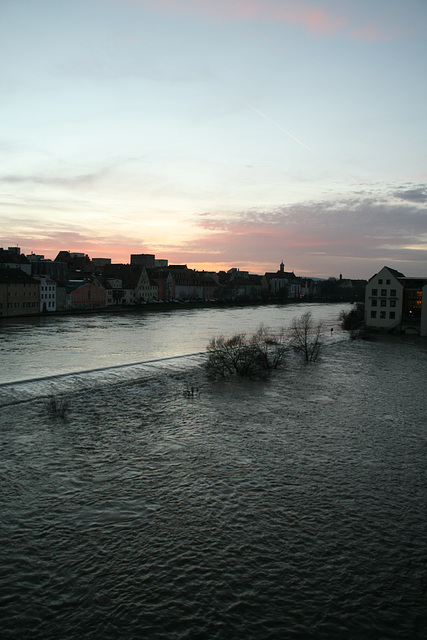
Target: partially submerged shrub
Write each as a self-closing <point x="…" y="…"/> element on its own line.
<point x="252" y="357"/>
<point x="361" y="334"/>
<point x="58" y="407"/>
<point x="353" y="319"/>
<point x="192" y="392"/>
<point x="305" y="336"/>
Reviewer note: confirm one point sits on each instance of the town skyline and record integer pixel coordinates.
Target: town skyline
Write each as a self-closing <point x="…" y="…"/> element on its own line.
<point x="34" y="256"/>
<point x="229" y="133"/>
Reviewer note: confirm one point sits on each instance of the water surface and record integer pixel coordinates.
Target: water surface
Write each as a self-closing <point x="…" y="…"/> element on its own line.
<point x="291" y="508"/>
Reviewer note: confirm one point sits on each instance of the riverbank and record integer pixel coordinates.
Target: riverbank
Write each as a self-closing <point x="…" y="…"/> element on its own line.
<point x="176" y="305"/>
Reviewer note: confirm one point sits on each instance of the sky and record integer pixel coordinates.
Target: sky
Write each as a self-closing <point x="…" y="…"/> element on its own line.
<point x="217" y="133"/>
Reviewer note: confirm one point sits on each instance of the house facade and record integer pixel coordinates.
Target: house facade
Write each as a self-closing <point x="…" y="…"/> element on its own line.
<point x="47" y="293"/>
<point x="423" y="321"/>
<point x="128" y="285"/>
<point x="183" y="284"/>
<point x="394" y="301"/>
<point x="384" y="299"/>
<point x="19" y="293"/>
<point x="282" y="284"/>
<point x="85" y="295"/>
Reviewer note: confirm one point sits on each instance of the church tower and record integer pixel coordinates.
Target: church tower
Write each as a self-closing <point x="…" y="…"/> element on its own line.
<point x="282" y="267"/>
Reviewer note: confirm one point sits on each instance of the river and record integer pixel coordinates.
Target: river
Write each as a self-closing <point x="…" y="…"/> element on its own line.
<point x="133" y="507"/>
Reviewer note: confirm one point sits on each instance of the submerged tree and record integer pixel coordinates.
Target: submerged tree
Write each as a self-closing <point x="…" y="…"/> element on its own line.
<point x="58" y="407"/>
<point x="354" y="318"/>
<point x="252" y="357"/>
<point x="305" y="336"/>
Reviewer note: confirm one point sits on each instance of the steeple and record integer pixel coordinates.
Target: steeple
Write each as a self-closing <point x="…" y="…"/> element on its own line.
<point x="282" y="266"/>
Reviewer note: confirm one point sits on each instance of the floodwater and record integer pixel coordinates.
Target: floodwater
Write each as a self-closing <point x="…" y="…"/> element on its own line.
<point x="146" y="502"/>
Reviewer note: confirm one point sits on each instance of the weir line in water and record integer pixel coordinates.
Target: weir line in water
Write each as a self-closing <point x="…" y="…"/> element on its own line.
<point x="97" y="370"/>
<point x="28" y="389"/>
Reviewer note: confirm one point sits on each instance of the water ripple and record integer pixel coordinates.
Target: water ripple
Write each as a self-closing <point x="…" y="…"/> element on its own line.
<point x="293" y="508"/>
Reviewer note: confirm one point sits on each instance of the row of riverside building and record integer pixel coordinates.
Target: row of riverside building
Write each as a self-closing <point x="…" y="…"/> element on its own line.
<point x="31" y="284"/>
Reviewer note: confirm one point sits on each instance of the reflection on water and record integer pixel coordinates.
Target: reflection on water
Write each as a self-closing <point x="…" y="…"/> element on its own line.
<point x="42" y="346"/>
<point x="292" y="508"/>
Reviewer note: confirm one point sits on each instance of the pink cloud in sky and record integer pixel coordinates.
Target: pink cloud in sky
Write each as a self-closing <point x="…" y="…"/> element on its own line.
<point x="320" y="237"/>
<point x="373" y="33"/>
<point x="316" y="20"/>
<point x="357" y="234"/>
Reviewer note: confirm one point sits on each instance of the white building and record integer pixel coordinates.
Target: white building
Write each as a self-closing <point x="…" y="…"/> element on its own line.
<point x="393" y="301"/>
<point x="47" y="293"/>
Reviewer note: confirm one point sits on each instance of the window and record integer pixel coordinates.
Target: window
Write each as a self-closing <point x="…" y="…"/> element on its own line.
<point x="392" y="315"/>
<point x="380" y="281"/>
<point x="383" y="292"/>
<point x="374" y="292"/>
<point x="374" y="302"/>
<point x="392" y="303"/>
<point x="387" y="281"/>
<point x="382" y="315"/>
<point x="383" y="303"/>
<point x="373" y="314"/>
<point x="393" y="292"/>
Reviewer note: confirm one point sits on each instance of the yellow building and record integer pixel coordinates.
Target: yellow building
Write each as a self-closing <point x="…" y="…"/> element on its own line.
<point x="19" y="293"/>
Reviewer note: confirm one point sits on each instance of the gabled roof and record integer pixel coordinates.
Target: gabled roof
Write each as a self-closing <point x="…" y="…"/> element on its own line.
<point x="281" y="275"/>
<point x="251" y="280"/>
<point x="129" y="274"/>
<point x="393" y="272"/>
<point x="16" y="276"/>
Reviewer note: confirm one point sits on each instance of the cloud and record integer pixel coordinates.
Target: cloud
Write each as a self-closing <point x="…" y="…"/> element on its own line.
<point x="418" y="194"/>
<point x="56" y="180"/>
<point x="48" y="238"/>
<point x="373" y="33"/>
<point x="309" y="15"/>
<point x="360" y="230"/>
<point x="356" y="234"/>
